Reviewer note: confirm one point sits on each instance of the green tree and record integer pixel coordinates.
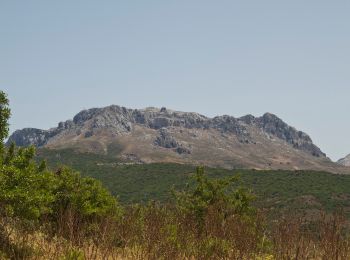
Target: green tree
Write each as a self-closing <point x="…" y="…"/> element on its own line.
<point x="86" y="196"/>
<point x="31" y="196"/>
<point x="5" y="114"/>
<point x="25" y="192"/>
<point x="218" y="193"/>
<point x="28" y="190"/>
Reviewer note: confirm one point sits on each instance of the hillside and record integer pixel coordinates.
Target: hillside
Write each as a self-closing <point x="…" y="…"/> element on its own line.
<point x="154" y="135"/>
<point x="278" y="190"/>
<point x="345" y="161"/>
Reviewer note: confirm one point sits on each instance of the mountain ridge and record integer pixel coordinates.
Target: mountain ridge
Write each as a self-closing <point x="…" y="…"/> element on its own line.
<point x="160" y="134"/>
<point x="148" y="116"/>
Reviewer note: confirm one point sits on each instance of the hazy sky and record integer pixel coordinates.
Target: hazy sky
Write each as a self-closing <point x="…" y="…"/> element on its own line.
<point x="291" y="58"/>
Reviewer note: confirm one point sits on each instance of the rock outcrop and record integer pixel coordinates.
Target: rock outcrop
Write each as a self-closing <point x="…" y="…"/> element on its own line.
<point x="166" y="140"/>
<point x="276" y="127"/>
<point x="30" y="136"/>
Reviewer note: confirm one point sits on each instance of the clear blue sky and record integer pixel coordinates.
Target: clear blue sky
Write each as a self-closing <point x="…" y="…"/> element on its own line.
<point x="291" y="58"/>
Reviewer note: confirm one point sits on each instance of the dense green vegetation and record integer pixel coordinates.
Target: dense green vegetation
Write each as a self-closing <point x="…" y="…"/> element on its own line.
<point x="31" y="196"/>
<point x="277" y="190"/>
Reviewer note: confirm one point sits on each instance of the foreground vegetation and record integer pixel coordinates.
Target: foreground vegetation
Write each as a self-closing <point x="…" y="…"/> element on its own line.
<point x="69" y="217"/>
<point x="60" y="215"/>
<point x="57" y="214"/>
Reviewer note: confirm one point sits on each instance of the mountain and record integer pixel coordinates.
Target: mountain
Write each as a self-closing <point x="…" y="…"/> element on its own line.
<point x="345" y="161"/>
<point x="163" y="135"/>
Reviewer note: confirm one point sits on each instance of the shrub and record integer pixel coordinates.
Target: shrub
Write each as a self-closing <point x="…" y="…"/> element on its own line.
<point x="86" y="196"/>
<point x="31" y="196"/>
<point x="216" y="193"/>
<point x="26" y="191"/>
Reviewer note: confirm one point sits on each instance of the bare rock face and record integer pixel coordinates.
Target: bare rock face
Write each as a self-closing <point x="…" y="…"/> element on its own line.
<point x="166" y="140"/>
<point x="300" y="140"/>
<point x="229" y="124"/>
<point x="110" y="117"/>
<point x="29" y="136"/>
<point x="345" y="161"/>
<point x="121" y="121"/>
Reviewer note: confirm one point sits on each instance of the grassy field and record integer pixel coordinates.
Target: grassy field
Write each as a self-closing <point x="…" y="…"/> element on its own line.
<point x="278" y="191"/>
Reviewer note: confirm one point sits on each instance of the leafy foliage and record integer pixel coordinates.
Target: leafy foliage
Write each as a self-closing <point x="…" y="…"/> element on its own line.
<point x="218" y="193"/>
<point x="5" y="113"/>
<point x="28" y="190"/>
<point x="25" y="189"/>
<point x="85" y="195"/>
<point x="31" y="195"/>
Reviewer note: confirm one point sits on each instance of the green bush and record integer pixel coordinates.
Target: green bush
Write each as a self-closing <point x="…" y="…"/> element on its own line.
<point x="29" y="191"/>
<point x="86" y="196"/>
<point x="25" y="190"/>
<point x="219" y="193"/>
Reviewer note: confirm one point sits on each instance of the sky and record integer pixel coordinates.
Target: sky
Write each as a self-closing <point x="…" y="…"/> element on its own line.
<point x="290" y="58"/>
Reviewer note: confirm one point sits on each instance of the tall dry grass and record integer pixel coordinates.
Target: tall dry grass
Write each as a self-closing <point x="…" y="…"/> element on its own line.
<point x="163" y="232"/>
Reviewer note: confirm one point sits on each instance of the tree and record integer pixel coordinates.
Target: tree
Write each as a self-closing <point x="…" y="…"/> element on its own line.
<point x="28" y="190"/>
<point x="5" y="114"/>
<point x="85" y="196"/>
<point x="214" y="193"/>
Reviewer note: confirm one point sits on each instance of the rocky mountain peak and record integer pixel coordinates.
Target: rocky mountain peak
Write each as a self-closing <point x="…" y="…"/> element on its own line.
<point x="122" y="120"/>
<point x="275" y="126"/>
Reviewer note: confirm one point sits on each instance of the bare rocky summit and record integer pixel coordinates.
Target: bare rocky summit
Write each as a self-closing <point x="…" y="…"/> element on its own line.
<point x="163" y="135"/>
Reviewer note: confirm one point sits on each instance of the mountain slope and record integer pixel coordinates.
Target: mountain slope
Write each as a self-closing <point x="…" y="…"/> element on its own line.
<point x="162" y="135"/>
<point x="345" y="161"/>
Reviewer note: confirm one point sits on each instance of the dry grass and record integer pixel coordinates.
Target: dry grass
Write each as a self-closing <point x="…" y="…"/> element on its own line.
<point x="160" y="232"/>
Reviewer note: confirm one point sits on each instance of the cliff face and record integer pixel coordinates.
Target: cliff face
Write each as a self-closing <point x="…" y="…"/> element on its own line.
<point x="154" y="134"/>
